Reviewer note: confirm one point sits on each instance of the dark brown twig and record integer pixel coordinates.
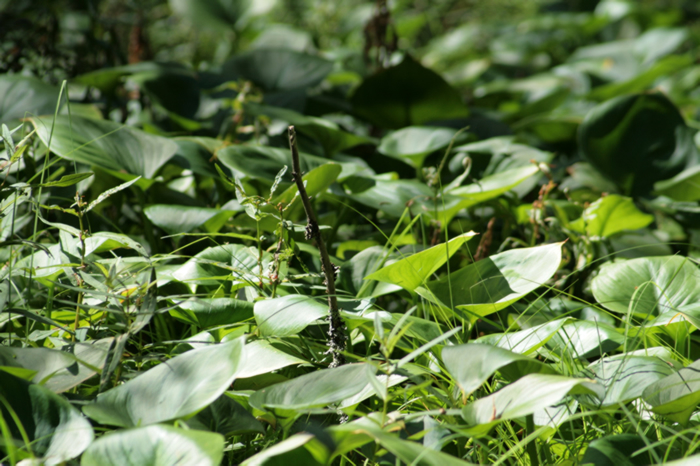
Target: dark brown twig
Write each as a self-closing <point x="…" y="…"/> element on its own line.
<point x="336" y="329"/>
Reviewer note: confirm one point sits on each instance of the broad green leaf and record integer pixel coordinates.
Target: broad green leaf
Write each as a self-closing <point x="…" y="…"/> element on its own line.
<point x="617" y="450"/>
<point x="525" y="341"/>
<point x="625" y="377"/>
<point x="212" y="312"/>
<point x="220" y="15"/>
<point x="637" y="140"/>
<point x="677" y="395"/>
<point x="326" y="132"/>
<point x="662" y="289"/>
<point x="494" y="185"/>
<point x="90" y="356"/>
<point x="105" y="144"/>
<point x="642" y="81"/>
<point x="289" y="451"/>
<point x="317" y="181"/>
<point x="157" y="445"/>
<point x="44" y="362"/>
<point x="276" y="70"/>
<point x="226" y="417"/>
<point x="264" y="162"/>
<point x="25" y="96"/>
<point x="183" y="219"/>
<point x="406" y="451"/>
<point x="57" y="430"/>
<point x="230" y="261"/>
<point x="288" y="315"/>
<point x="171" y="390"/>
<point x="412" y="271"/>
<point x="413" y="144"/>
<point x="316" y="389"/>
<point x="406" y="94"/>
<point x="609" y="215"/>
<point x="197" y="154"/>
<point x="472" y="364"/>
<point x="390" y="196"/>
<point x="495" y="282"/>
<point x="525" y="396"/>
<point x="684" y="187"/>
<point x="582" y="339"/>
<point x="262" y="358"/>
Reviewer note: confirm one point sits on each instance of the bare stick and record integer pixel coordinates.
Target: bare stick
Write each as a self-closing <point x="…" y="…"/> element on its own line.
<point x="336" y="329"/>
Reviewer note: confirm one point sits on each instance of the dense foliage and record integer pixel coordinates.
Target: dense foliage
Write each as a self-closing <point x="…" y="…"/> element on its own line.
<point x="508" y="192"/>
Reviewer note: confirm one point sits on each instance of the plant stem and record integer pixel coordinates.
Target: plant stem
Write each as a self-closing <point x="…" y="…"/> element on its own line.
<point x="336" y="329"/>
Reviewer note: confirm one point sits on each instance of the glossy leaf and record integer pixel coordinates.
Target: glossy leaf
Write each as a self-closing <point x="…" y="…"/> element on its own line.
<point x="413" y="144"/>
<point x="472" y="364"/>
<point x="316" y="389"/>
<point x="529" y="394"/>
<point x="105" y="144"/>
<point x="212" y="312"/>
<point x="525" y="341"/>
<point x="171" y="390"/>
<point x="57" y="430"/>
<point x="609" y="215"/>
<point x="497" y="281"/>
<point x="677" y="395"/>
<point x="615" y="450"/>
<point x="637" y="140"/>
<point x="684" y="187"/>
<point x="410" y="272"/>
<point x="25" y="96"/>
<point x="288" y="315"/>
<point x="183" y="219"/>
<point x="625" y="377"/>
<point x="157" y="445"/>
<point x="661" y="289"/>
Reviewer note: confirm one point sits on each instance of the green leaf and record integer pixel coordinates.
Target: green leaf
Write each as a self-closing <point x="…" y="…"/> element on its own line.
<point x="288" y="315"/>
<point x="226" y="417"/>
<point x="276" y="70"/>
<point x="44" y="362"/>
<point x="472" y="364"/>
<point x="171" y="390"/>
<point x="406" y="94"/>
<point x="25" y="96"/>
<point x="157" y="445"/>
<point x="684" y="187"/>
<point x="617" y="450"/>
<point x="317" y="181"/>
<point x="677" y="395"/>
<point x="105" y="144"/>
<point x="326" y="132"/>
<point x="525" y="341"/>
<point x="525" y="396"/>
<point x="609" y="215"/>
<point x="316" y="389"/>
<point x="68" y="180"/>
<point x="183" y="219"/>
<point x="582" y="339"/>
<point x="406" y="451"/>
<point x="57" y="431"/>
<point x="495" y="282"/>
<point x="625" y="377"/>
<point x="220" y="15"/>
<point x="262" y="358"/>
<point x="410" y="272"/>
<point x="637" y="140"/>
<point x="661" y="289"/>
<point x="289" y="451"/>
<point x="413" y="144"/>
<point x="212" y="312"/>
<point x="228" y="262"/>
